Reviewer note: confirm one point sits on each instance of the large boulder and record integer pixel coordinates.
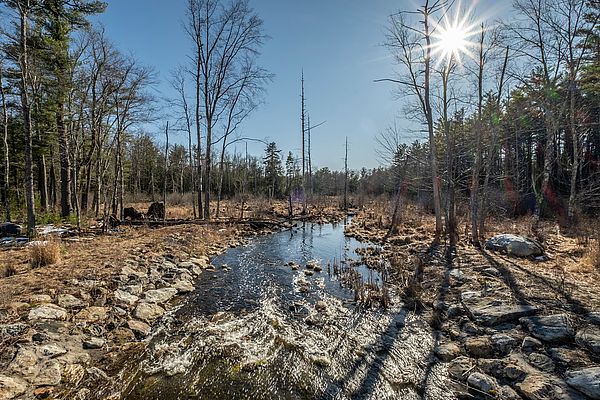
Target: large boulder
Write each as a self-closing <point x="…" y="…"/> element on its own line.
<point x="550" y="328"/>
<point x="586" y="381"/>
<point x="160" y="296"/>
<point x="148" y="311"/>
<point x="489" y="310"/>
<point x="546" y="387"/>
<point x="518" y="246"/>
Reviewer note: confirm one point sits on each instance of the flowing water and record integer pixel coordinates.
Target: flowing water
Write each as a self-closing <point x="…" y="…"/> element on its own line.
<point x="258" y="329"/>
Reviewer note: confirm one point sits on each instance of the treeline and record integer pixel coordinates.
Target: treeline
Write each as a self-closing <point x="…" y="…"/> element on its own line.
<point x="511" y="111"/>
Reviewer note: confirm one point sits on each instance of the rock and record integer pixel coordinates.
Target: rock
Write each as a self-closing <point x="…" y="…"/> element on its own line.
<point x="44" y="392"/>
<point x="156" y="211"/>
<point x="50" y="374"/>
<point x="454" y="311"/>
<point x="92" y="315"/>
<point x="541" y="361"/>
<point x="12" y="330"/>
<point x="25" y="363"/>
<point x="93" y="343"/>
<point x="479" y="347"/>
<point x="160" y="296"/>
<point x="551" y="328"/>
<point x="503" y="343"/>
<point x="48" y="311"/>
<point x="221" y="316"/>
<point x="148" y="311"/>
<point x="483" y="382"/>
<point x="140" y="328"/>
<point x="69" y="301"/>
<point x="122" y="335"/>
<point x="514" y="245"/>
<point x="10" y="229"/>
<point x="135" y="290"/>
<point x="488" y="310"/>
<point x="492" y="366"/>
<point x="530" y="344"/>
<point x="321" y="306"/>
<point x="459" y="367"/>
<point x="308" y="272"/>
<point x="183" y="286"/>
<point x="52" y="350"/>
<point x="40" y="298"/>
<point x="594" y="317"/>
<point x="11" y="387"/>
<point x="447" y="352"/>
<point x="568" y="357"/>
<point x="126" y="298"/>
<point x="586" y="380"/>
<point x="507" y="393"/>
<point x="73" y="374"/>
<point x="513" y="372"/>
<point x="546" y="387"/>
<point x="589" y="338"/>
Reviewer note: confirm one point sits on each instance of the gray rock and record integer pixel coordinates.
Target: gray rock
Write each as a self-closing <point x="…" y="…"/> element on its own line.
<point x="492" y="366"/>
<point x="507" y="393"/>
<point x="52" y="350"/>
<point x="148" y="311"/>
<point x="594" y="317"/>
<point x="93" y="343"/>
<point x="488" y="310"/>
<point x="503" y="343"/>
<point x="160" y="296"/>
<point x="25" y="363"/>
<point x="513" y="372"/>
<point x="126" y="298"/>
<point x="589" y="338"/>
<point x="135" y="290"/>
<point x="514" y="245"/>
<point x="551" y="328"/>
<point x="586" y="380"/>
<point x="546" y="387"/>
<point x="69" y="301"/>
<point x="541" y="361"/>
<point x="459" y="367"/>
<point x="447" y="352"/>
<point x="11" y="387"/>
<point x="48" y="311"/>
<point x="530" y="344"/>
<point x="12" y="330"/>
<point x="483" y="382"/>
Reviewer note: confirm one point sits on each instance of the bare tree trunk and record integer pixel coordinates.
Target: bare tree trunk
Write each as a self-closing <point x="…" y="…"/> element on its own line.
<point x="478" y="147"/>
<point x="6" y="160"/>
<point x="432" y="144"/>
<point x="303" y="150"/>
<point x="166" y="171"/>
<point x="65" y="165"/>
<point x="575" y="140"/>
<point x="451" y="230"/>
<point x="346" y="177"/>
<point x="27" y="128"/>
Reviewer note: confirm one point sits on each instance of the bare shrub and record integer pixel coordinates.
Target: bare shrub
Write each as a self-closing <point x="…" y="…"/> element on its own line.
<point x="45" y="253"/>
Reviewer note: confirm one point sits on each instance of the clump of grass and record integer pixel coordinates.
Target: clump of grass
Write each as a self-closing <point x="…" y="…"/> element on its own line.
<point x="45" y="253"/>
<point x="593" y="253"/>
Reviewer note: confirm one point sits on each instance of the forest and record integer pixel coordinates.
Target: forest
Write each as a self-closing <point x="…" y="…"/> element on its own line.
<point x="463" y="265"/>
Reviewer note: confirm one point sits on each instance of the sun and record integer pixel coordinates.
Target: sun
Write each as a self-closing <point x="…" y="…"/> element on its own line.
<point x="451" y="38"/>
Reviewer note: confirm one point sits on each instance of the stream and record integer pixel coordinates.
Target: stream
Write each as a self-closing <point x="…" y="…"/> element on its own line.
<point x="255" y="328"/>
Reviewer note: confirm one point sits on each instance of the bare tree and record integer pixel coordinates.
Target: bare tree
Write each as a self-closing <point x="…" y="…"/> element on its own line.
<point x="411" y="47"/>
<point x="5" y="158"/>
<point x="225" y="35"/>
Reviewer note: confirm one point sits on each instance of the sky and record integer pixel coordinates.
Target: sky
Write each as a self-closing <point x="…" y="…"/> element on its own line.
<point x="337" y="43"/>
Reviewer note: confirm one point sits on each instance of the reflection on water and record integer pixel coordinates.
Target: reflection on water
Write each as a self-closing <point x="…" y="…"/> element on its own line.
<point x="259" y="329"/>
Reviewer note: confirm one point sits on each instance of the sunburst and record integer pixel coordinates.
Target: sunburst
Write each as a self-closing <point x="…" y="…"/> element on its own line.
<point x="452" y="36"/>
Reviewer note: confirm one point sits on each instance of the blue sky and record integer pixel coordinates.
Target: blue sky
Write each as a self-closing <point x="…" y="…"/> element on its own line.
<point x="338" y="43"/>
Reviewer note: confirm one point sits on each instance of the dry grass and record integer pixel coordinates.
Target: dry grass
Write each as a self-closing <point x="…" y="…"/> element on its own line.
<point x="7" y="271"/>
<point x="42" y="254"/>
